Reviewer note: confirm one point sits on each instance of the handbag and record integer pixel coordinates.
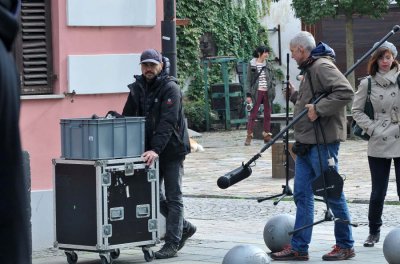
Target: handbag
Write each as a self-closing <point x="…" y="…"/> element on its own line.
<point x="369" y="111"/>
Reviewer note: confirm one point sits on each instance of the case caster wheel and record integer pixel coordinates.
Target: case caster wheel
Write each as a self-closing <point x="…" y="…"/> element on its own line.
<point x="115" y="254"/>
<point x="148" y="254"/>
<point x="104" y="260"/>
<point x="72" y="257"/>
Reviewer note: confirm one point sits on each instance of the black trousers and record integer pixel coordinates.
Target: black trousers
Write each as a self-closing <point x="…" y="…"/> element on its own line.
<point x="380" y="170"/>
<point x="171" y="201"/>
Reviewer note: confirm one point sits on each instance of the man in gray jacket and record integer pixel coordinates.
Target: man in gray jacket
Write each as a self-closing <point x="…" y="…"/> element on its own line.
<point x="320" y="76"/>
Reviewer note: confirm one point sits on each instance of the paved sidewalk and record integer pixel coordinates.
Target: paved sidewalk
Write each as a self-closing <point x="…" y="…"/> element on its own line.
<point x="233" y="216"/>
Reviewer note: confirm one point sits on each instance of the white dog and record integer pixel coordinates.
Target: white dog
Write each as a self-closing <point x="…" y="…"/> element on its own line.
<point x="195" y="146"/>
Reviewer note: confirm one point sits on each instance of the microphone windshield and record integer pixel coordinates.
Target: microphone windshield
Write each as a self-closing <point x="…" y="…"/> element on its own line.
<point x="234" y="176"/>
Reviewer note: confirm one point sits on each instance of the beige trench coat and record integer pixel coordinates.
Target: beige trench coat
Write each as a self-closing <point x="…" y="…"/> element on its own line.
<point x="384" y="130"/>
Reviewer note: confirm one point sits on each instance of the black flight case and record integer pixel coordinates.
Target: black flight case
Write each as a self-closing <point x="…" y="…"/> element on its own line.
<point x="104" y="205"/>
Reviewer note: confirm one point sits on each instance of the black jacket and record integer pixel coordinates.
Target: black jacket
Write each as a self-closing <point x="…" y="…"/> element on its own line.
<point x="160" y="102"/>
<point x="14" y="220"/>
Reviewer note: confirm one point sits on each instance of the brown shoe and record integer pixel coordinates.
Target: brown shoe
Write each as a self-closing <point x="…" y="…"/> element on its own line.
<point x="339" y="254"/>
<point x="371" y="240"/>
<point x="289" y="254"/>
<point x="267" y="136"/>
<point x="248" y="139"/>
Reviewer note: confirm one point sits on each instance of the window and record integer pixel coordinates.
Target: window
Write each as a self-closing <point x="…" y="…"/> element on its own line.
<point x="33" y="48"/>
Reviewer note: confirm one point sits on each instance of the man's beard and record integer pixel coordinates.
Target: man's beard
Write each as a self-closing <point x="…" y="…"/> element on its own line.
<point x="150" y="75"/>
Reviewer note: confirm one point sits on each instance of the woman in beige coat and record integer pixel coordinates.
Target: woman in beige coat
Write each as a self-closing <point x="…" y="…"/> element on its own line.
<point x="384" y="129"/>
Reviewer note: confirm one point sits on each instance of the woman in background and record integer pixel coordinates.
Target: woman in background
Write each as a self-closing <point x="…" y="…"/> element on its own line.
<point x="261" y="88"/>
<point x="384" y="129"/>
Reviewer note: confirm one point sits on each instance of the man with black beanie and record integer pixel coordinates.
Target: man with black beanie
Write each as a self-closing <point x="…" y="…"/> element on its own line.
<point x="14" y="227"/>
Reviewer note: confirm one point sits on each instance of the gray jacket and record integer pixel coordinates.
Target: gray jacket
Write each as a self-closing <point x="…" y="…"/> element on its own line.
<point x="326" y="78"/>
<point x="384" y="130"/>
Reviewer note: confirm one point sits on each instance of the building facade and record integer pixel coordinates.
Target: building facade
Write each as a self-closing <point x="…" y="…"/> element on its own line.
<point x="76" y="59"/>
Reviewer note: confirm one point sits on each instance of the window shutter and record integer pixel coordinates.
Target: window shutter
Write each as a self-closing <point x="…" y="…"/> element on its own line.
<point x="34" y="49"/>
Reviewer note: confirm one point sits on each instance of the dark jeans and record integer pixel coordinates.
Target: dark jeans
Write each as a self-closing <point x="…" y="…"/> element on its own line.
<point x="380" y="170"/>
<point x="171" y="202"/>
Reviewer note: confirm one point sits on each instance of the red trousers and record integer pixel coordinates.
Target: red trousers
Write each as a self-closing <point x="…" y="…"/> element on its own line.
<point x="262" y="97"/>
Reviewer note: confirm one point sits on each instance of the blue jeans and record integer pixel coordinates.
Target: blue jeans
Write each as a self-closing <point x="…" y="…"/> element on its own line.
<point x="171" y="202"/>
<point x="307" y="170"/>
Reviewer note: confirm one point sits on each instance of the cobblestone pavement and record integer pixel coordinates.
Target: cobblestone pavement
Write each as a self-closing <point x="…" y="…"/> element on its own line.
<point x="223" y="223"/>
<point x="233" y="216"/>
<point x="225" y="151"/>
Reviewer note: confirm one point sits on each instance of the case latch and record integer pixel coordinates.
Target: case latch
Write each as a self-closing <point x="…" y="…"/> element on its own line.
<point x="129" y="169"/>
<point x="107" y="230"/>
<point x="151" y="175"/>
<point x="142" y="210"/>
<point x="153" y="225"/>
<point x="106" y="178"/>
<point x="116" y="213"/>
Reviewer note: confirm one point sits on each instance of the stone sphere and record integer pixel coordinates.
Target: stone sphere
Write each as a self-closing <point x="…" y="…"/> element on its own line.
<point x="276" y="231"/>
<point x="391" y="249"/>
<point x="246" y="254"/>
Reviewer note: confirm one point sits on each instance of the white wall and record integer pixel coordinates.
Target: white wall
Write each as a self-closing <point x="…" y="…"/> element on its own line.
<point x="106" y="73"/>
<point x="111" y="13"/>
<point x="42" y="219"/>
<point x="282" y="14"/>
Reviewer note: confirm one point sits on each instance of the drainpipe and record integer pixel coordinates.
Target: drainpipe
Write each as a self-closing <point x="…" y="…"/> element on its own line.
<point x="168" y="35"/>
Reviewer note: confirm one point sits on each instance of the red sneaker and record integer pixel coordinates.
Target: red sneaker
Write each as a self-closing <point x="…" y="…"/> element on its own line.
<point x="339" y="254"/>
<point x="288" y="254"/>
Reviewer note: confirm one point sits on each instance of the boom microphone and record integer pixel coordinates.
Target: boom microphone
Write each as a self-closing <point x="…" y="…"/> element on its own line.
<point x="234" y="176"/>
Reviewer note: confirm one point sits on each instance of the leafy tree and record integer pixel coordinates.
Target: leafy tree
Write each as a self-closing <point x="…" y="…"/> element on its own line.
<point x="311" y="11"/>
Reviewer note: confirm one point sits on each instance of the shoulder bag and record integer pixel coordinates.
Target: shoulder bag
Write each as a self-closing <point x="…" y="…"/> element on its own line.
<point x="330" y="183"/>
<point x="369" y="111"/>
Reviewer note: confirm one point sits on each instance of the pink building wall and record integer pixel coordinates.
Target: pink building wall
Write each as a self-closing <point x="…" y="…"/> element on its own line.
<point x="39" y="123"/>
